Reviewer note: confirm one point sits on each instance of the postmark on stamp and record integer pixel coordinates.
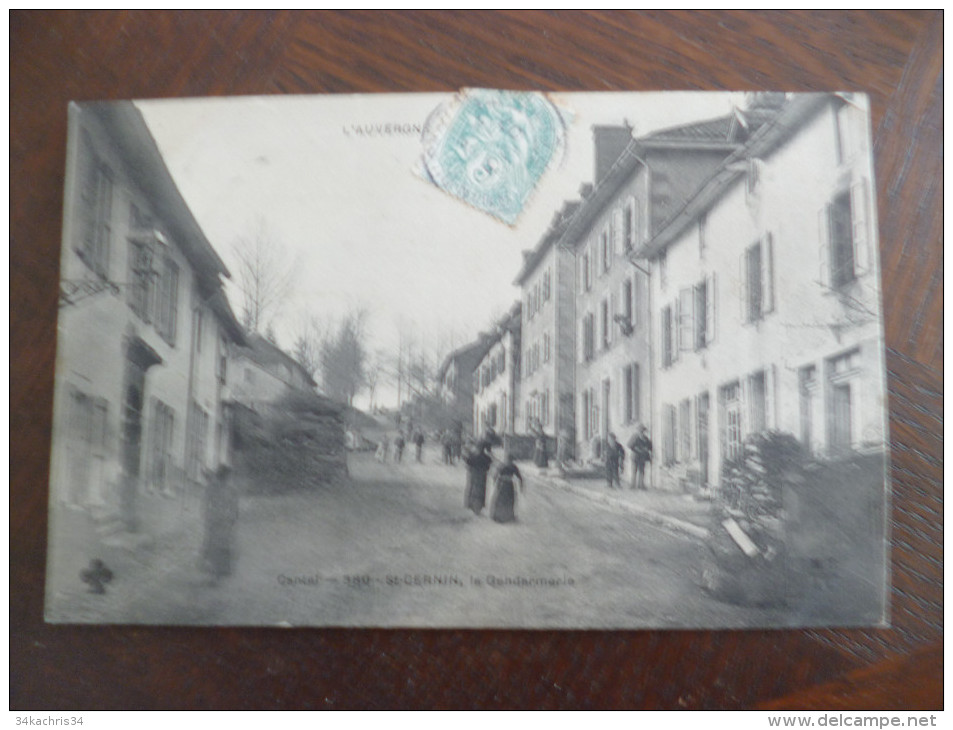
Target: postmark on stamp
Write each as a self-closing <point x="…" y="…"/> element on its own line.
<point x="490" y="148"/>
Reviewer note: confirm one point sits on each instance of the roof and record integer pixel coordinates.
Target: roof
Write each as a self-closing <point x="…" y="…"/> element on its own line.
<point x="768" y="137"/>
<point x="721" y="133"/>
<point x="471" y="351"/>
<point x="731" y="128"/>
<point x="134" y="142"/>
<point x="532" y="257"/>
<point x="264" y="352"/>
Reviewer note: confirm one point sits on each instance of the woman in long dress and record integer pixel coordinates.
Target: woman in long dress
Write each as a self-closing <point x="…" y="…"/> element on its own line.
<point x="504" y="500"/>
<point x="478" y="466"/>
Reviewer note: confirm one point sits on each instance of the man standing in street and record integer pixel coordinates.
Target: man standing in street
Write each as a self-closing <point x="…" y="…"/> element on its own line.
<point x="614" y="456"/>
<point x="641" y="447"/>
<point x="419" y="442"/>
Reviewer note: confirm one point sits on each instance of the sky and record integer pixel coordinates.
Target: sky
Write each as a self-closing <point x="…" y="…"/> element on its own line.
<point x="349" y="213"/>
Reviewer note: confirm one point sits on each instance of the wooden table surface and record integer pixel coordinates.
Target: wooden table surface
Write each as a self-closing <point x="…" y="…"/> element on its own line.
<point x="894" y="56"/>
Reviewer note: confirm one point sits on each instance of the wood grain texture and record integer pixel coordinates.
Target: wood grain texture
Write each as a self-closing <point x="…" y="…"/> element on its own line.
<point x="896" y="57"/>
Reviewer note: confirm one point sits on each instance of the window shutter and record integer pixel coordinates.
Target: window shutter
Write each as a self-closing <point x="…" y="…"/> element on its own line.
<point x="686" y="320"/>
<point x="767" y="273"/>
<point x="711" y="319"/>
<point x="858" y="209"/>
<point x="743" y="285"/>
<point x="770" y="415"/>
<point x="824" y="250"/>
<point x="744" y="393"/>
<point x="617" y="225"/>
<point x="613" y="308"/>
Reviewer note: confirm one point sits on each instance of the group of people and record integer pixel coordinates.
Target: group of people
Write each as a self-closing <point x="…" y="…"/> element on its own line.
<point x="641" y="447"/>
<point x="479" y="461"/>
<point x="416" y="437"/>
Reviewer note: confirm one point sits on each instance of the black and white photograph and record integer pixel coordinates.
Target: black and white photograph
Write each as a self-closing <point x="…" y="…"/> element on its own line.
<point x="491" y="359"/>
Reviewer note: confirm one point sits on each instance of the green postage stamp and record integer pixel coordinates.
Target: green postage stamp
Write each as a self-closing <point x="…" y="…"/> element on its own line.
<point x="491" y="147"/>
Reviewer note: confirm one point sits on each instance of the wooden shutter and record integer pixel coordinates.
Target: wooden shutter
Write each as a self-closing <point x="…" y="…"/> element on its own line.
<point x="860" y="226"/>
<point x="711" y="319"/>
<point x="686" y="320"/>
<point x="824" y="239"/>
<point x="770" y="399"/>
<point x="743" y="285"/>
<point x="767" y="273"/>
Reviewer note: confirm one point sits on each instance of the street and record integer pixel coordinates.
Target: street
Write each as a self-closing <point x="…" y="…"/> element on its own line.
<point x="395" y="547"/>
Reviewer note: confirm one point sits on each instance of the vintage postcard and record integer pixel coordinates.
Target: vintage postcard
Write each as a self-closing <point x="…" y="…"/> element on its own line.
<point x="485" y="359"/>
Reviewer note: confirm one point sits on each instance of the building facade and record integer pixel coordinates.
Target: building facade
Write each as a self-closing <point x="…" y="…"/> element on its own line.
<point x="766" y="312"/>
<point x="496" y="380"/>
<point x="455" y="383"/>
<point x="648" y="179"/>
<point x="548" y="341"/>
<point x="260" y="373"/>
<point x="144" y="331"/>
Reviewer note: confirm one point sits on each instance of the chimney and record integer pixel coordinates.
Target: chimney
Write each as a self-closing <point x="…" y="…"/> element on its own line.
<point x="609" y="142"/>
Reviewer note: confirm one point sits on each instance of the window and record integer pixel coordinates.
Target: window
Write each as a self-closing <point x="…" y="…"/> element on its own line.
<point x="844" y="249"/>
<point x="631" y="224"/>
<point x="685" y="308"/>
<point x="96" y="196"/>
<point x="141" y="275"/>
<point x="586" y="271"/>
<point x="167" y="305"/>
<point x="757" y="280"/>
<point x="604" y="320"/>
<point x="584" y="413"/>
<point x="668" y="434"/>
<point x="86" y="445"/>
<point x="606" y="249"/>
<point x="638" y="297"/>
<point x="588" y="337"/>
<point x="163" y="424"/>
<point x="618" y="218"/>
<point x="702" y="234"/>
<point x="222" y="369"/>
<point x="730" y="396"/>
<point x="685" y="430"/>
<point x="198" y="431"/>
<point x="668" y="349"/>
<point x="757" y="406"/>
<point x="842" y="372"/>
<point x="631" y="386"/>
<point x="544" y="408"/>
<point x="807" y="388"/>
<point x="704" y="312"/>
<point x="627" y="310"/>
<point x="662" y="269"/>
<point x="547" y="347"/>
<point x="547" y="285"/>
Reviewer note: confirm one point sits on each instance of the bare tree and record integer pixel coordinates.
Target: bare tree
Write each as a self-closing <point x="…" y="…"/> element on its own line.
<point x="343" y="358"/>
<point x="265" y="277"/>
<point x="308" y="342"/>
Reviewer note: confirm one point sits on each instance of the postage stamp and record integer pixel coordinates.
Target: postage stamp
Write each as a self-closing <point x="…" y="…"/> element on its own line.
<point x="491" y="147"/>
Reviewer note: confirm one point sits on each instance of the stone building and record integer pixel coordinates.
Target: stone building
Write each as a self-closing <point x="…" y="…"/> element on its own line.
<point x="640" y="182"/>
<point x="765" y="298"/>
<point x="144" y="331"/>
<point x="547" y="340"/>
<point x="496" y="380"/>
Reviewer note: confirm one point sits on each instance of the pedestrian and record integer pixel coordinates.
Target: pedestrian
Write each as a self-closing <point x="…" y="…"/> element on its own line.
<point x="221" y="516"/>
<point x="504" y="499"/>
<point x="447" y="442"/>
<point x="419" y="443"/>
<point x="478" y="463"/>
<point x="615" y="455"/>
<point x="457" y="442"/>
<point x="398" y="447"/>
<point x="541" y="454"/>
<point x="381" y="454"/>
<point x="641" y="447"/>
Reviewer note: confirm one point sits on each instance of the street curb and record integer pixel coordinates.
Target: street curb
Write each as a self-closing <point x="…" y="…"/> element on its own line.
<point x="665" y="521"/>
